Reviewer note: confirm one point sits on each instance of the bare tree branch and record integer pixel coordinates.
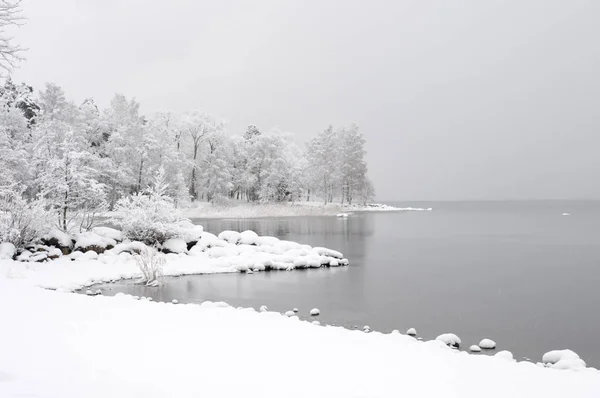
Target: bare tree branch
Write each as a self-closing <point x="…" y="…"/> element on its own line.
<point x="10" y="53"/>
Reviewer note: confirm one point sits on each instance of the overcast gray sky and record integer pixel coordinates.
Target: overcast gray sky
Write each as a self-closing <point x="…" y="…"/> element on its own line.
<point x="463" y="99"/>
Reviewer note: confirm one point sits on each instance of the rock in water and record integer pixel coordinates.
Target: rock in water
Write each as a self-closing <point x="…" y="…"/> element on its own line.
<point x="411" y="332"/>
<point x="450" y="339"/>
<point x="366" y="328"/>
<point x="295" y="310"/>
<point x="475" y="348"/>
<point x="487" y="344"/>
<point x="315" y="312"/>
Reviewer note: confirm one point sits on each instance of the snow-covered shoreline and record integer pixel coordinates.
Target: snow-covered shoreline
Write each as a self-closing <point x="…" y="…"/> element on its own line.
<point x="68" y="345"/>
<point x="71" y="345"/>
<point x="286" y="209"/>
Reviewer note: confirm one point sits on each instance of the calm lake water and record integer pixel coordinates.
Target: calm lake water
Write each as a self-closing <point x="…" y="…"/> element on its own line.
<point x="519" y="273"/>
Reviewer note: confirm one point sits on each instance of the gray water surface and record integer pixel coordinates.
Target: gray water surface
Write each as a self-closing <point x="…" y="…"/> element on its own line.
<point x="519" y="273"/>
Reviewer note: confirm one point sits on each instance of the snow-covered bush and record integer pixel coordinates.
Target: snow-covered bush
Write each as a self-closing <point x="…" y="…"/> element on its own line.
<point x="150" y="216"/>
<point x="21" y="222"/>
<point x="150" y="262"/>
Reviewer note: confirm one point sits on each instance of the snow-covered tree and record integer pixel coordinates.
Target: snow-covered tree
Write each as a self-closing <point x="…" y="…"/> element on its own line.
<point x="149" y="216"/>
<point x="10" y="15"/>
<point x="69" y="183"/>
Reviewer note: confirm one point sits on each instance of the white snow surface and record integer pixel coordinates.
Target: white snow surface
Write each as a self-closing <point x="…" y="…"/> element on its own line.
<point x="100" y="346"/>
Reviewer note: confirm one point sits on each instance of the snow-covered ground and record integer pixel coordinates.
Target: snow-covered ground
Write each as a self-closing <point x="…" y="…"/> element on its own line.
<point x="66" y="345"/>
<point x="286" y="209"/>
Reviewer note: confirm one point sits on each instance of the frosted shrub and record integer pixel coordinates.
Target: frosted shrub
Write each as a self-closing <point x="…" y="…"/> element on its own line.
<point x="150" y="216"/>
<point x="150" y="262"/>
<point x="21" y="222"/>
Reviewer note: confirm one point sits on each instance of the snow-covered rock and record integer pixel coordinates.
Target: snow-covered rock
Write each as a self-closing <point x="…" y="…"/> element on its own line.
<point x="506" y="355"/>
<point x="174" y="301"/>
<point x="92" y="241"/>
<point x="569" y="364"/>
<point x="289" y="313"/>
<point x="552" y="357"/>
<point x="231" y="236"/>
<point x="296" y="310"/>
<point x="89" y="292"/>
<point x="366" y="328"/>
<point x="249" y="238"/>
<point x="58" y="239"/>
<point x="487" y="344"/>
<point x="24" y="256"/>
<point x="54" y="253"/>
<point x="109" y="233"/>
<point x="174" y="245"/>
<point x="450" y="339"/>
<point x="7" y="251"/>
<point x="129" y="247"/>
<point x="475" y="348"/>
<point x="317" y="323"/>
<point x="315" y="312"/>
<point x="263" y="308"/>
<point x="38" y="257"/>
<point x="411" y="332"/>
<point x="342" y="215"/>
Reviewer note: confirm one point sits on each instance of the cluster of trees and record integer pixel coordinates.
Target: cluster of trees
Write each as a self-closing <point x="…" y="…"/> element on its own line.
<point x="81" y="160"/>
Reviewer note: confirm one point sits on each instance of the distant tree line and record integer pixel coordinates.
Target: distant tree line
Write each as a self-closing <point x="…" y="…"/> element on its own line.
<point x="81" y="160"/>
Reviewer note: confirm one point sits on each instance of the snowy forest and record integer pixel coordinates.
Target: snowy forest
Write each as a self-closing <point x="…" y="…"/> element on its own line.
<point x="76" y="161"/>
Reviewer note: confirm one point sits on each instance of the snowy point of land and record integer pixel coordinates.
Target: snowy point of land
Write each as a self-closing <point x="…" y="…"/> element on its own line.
<point x="237" y="209"/>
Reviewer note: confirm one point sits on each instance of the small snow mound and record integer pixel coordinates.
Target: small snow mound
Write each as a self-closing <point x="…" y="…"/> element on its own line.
<point x="475" y="348"/>
<point x="174" y="245"/>
<point x="109" y="233"/>
<point x="92" y="241"/>
<point x="136" y="297"/>
<point x="411" y="332"/>
<point x="89" y="292"/>
<point x="315" y="312"/>
<point x="289" y="313"/>
<point x="487" y="344"/>
<point x="57" y="238"/>
<point x="395" y="331"/>
<point x="366" y="328"/>
<point x="450" y="339"/>
<point x="7" y="251"/>
<point x="569" y="364"/>
<point x="249" y="238"/>
<point x="230" y="236"/>
<point x="342" y="215"/>
<point x="566" y="214"/>
<point x="98" y="292"/>
<point x="263" y="308"/>
<point x="174" y="301"/>
<point x="506" y="355"/>
<point x="316" y="323"/>
<point x="552" y="357"/>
